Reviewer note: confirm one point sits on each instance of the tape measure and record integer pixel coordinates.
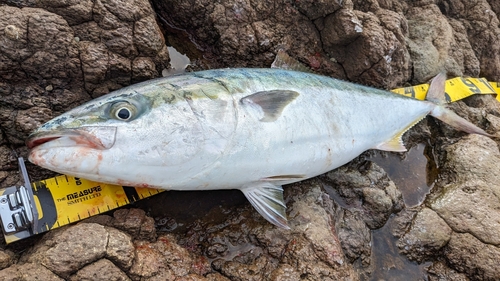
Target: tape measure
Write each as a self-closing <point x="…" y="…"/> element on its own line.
<point x="40" y="206"/>
<point x="455" y="89"/>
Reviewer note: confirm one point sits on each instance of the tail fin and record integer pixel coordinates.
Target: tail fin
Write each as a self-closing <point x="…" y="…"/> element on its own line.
<point x="436" y="94"/>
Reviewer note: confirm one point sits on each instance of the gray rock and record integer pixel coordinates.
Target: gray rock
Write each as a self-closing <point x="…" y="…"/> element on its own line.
<point x="431" y="42"/>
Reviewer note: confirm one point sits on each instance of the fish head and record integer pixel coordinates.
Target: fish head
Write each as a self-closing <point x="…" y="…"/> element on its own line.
<point x="158" y="133"/>
<point x="74" y="142"/>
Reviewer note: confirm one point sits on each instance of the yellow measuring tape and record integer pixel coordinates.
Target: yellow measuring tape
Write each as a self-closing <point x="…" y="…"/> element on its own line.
<point x="456" y="89"/>
<point x="64" y="199"/>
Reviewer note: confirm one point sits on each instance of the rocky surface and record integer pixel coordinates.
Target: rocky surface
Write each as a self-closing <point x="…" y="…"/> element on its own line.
<point x="55" y="55"/>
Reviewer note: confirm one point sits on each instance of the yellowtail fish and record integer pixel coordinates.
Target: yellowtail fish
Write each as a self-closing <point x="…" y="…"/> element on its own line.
<point x="248" y="129"/>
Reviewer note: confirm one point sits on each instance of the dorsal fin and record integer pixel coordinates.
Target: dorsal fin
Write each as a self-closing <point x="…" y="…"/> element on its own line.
<point x="284" y="61"/>
<point x="436" y="93"/>
<point x="268" y="105"/>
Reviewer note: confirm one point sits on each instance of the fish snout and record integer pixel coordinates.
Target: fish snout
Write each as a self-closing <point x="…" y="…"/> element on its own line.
<point x="96" y="137"/>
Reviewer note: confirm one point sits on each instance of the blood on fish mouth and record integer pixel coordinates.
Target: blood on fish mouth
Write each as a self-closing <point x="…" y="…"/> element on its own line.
<point x="91" y="137"/>
<point x="34" y="142"/>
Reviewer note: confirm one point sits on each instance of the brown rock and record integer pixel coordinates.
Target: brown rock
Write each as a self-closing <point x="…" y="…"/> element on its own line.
<point x="148" y="263"/>
<point x="438" y="271"/>
<point x="7" y="258"/>
<point x="101" y="270"/>
<point x="120" y="249"/>
<point x="135" y="222"/>
<point x="75" y="247"/>
<point x="431" y="42"/>
<point x="427" y="235"/>
<point x="474" y="183"/>
<point x="367" y="187"/>
<point x="467" y="254"/>
<point x="28" y="272"/>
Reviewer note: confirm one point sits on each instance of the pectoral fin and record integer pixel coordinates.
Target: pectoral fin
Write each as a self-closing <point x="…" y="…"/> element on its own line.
<point x="267" y="199"/>
<point x="269" y="104"/>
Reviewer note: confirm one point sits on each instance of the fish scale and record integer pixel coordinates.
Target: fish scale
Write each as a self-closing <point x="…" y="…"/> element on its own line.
<point x="248" y="129"/>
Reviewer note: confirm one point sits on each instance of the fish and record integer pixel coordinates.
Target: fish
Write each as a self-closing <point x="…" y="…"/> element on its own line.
<point x="237" y="128"/>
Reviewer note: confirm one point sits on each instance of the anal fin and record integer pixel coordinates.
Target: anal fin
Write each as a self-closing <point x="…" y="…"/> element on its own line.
<point x="395" y="144"/>
<point x="267" y="199"/>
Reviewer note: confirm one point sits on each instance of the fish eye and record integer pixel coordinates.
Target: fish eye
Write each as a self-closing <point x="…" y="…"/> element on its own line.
<point x="123" y="111"/>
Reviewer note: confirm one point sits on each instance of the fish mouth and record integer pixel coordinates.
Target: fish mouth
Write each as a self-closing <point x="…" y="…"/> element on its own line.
<point x="91" y="137"/>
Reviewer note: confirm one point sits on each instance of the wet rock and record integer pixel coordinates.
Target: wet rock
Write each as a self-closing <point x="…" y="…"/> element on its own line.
<point x="76" y="50"/>
<point x="354" y="236"/>
<point x="438" y="271"/>
<point x="366" y="187"/>
<point x="472" y="183"/>
<point x="28" y="272"/>
<point x="427" y="235"/>
<point x="477" y="260"/>
<point x="246" y="247"/>
<point x="482" y="26"/>
<point x="284" y="272"/>
<point x="101" y="270"/>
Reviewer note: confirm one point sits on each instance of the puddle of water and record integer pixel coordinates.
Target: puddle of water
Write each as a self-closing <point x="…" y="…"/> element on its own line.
<point x="388" y="264"/>
<point x="414" y="175"/>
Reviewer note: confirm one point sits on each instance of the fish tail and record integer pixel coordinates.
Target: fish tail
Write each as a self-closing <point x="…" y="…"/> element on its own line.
<point x="451" y="118"/>
<point x="436" y="95"/>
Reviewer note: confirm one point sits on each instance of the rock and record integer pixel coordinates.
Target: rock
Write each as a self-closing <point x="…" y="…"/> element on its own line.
<point x="354" y="236"/>
<point x="438" y="271"/>
<point x="477" y="260"/>
<point x="74" y="50"/>
<point x="427" y="235"/>
<point x="135" y="222"/>
<point x="120" y="249"/>
<point x="7" y="258"/>
<point x="66" y="251"/>
<point x="366" y="187"/>
<point x="165" y="259"/>
<point x="101" y="270"/>
<point x="246" y="247"/>
<point x="28" y="272"/>
<point x="432" y="44"/>
<point x="472" y="183"/>
<point x="78" y="50"/>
